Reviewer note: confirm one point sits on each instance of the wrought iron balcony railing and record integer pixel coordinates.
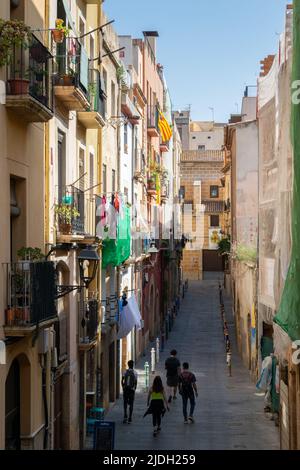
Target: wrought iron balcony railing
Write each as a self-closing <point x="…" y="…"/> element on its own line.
<point x="88" y="322"/>
<point x="152" y="118"/>
<point x="30" y="293"/>
<point x="29" y="72"/>
<point x="97" y="96"/>
<point x="71" y="65"/>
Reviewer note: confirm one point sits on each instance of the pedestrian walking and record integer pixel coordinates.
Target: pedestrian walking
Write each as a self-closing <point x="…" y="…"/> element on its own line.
<point x="187" y="390"/>
<point x="172" y="366"/>
<point x="129" y="384"/>
<point x="157" y="404"/>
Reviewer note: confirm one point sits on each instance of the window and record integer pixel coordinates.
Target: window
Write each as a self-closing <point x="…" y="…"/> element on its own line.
<point x="214" y="191"/>
<point x="201" y="148"/>
<point x="105" y="80"/>
<point x="92" y="47"/>
<point x="214" y="220"/>
<point x="104" y="179"/>
<point x="126" y="138"/>
<point x="113" y="180"/>
<point x="91" y="173"/>
<point x="113" y="99"/>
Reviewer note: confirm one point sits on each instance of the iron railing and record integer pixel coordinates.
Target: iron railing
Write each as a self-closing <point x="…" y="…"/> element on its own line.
<point x="97" y="96"/>
<point x="30" y="292"/>
<point x="88" y="321"/>
<point x="29" y="72"/>
<point x="71" y="65"/>
<point x="152" y="117"/>
<point x="74" y="209"/>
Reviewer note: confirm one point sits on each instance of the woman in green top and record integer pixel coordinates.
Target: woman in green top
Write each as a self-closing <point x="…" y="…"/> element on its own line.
<point x="157" y="400"/>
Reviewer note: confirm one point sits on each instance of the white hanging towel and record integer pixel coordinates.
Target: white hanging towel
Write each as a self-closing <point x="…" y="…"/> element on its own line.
<point x="130" y="317"/>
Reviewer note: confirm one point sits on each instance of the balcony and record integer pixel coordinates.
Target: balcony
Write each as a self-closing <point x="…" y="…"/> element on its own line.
<point x="28" y="85"/>
<point x="129" y="109"/>
<point x="164" y="147"/>
<point x="164" y="193"/>
<point x="227" y="205"/>
<point x="30" y="294"/>
<point x="94" y="117"/>
<point x="73" y="211"/>
<point x="71" y="77"/>
<point x="88" y="324"/>
<point x="152" y="121"/>
<point x="151" y="187"/>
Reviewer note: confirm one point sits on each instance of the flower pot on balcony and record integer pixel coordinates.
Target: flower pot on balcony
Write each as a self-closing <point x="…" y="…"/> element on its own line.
<point x="151" y="185"/>
<point x="10" y="315"/>
<point x="65" y="229"/>
<point x="67" y="80"/>
<point x="19" y="86"/>
<point x="58" y="36"/>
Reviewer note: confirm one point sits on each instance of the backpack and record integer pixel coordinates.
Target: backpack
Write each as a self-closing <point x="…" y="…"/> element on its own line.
<point x="129" y="380"/>
<point x="186" y="384"/>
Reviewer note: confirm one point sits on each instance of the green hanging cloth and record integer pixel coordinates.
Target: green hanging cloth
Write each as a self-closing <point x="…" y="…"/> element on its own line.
<point x="288" y="316"/>
<point x="115" y="252"/>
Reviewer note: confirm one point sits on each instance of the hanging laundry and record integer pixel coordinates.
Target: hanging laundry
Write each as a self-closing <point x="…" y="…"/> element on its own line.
<point x="117" y="202"/>
<point x="103" y="213"/>
<point x="122" y="206"/>
<point x="130" y="317"/>
<point x="112" y="220"/>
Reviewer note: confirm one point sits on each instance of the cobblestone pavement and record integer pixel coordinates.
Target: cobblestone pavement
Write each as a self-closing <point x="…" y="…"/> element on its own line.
<point x="228" y="415"/>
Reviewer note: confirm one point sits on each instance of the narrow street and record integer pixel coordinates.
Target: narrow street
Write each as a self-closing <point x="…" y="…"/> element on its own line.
<point x="228" y="413"/>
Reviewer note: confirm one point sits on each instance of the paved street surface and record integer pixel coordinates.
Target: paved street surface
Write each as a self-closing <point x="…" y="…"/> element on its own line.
<point x="228" y="414"/>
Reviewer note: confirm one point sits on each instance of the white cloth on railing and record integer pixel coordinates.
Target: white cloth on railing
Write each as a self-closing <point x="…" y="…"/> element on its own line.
<point x="130" y="317"/>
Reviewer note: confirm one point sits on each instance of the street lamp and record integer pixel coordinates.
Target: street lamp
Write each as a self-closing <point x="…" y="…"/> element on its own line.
<point x="89" y="259"/>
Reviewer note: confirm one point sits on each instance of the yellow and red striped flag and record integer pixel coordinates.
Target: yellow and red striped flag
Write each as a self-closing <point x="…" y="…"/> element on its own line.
<point x="164" y="128"/>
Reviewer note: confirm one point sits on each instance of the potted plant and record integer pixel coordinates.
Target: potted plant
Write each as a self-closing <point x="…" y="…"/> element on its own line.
<point x="26" y="254"/>
<point x="60" y="32"/>
<point x="20" y="80"/>
<point x="152" y="183"/>
<point x="66" y="214"/>
<point x="68" y="78"/>
<point x="13" y="34"/>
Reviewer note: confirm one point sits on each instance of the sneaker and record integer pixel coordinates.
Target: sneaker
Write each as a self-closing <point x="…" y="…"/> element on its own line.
<point x="155" y="432"/>
<point x="186" y="421"/>
<point x="125" y="421"/>
<point x="191" y="419"/>
<point x="170" y="399"/>
<point x="158" y="429"/>
<point x="130" y="421"/>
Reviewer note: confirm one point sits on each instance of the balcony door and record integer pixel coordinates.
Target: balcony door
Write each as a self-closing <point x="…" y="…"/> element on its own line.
<point x="61" y="165"/>
<point x="12" y="408"/>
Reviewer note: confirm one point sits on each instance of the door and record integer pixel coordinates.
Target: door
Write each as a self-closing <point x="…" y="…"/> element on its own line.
<point x="112" y="372"/>
<point x="12" y="408"/>
<point x="57" y="421"/>
<point x="212" y="261"/>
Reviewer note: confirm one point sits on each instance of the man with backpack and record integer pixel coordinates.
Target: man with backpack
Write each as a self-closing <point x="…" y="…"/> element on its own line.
<point x="129" y="384"/>
<point x="188" y="390"/>
<point x="172" y="366"/>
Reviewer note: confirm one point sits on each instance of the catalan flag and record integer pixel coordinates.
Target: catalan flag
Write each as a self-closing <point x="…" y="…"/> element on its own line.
<point x="164" y="128"/>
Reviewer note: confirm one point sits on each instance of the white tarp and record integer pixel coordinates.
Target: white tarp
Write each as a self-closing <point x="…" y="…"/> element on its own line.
<point x="130" y="317"/>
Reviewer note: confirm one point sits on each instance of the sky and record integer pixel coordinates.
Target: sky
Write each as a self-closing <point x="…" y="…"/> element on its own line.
<point x="210" y="50"/>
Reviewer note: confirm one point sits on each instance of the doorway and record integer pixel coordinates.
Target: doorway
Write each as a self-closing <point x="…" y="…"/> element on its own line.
<point x="12" y="408"/>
